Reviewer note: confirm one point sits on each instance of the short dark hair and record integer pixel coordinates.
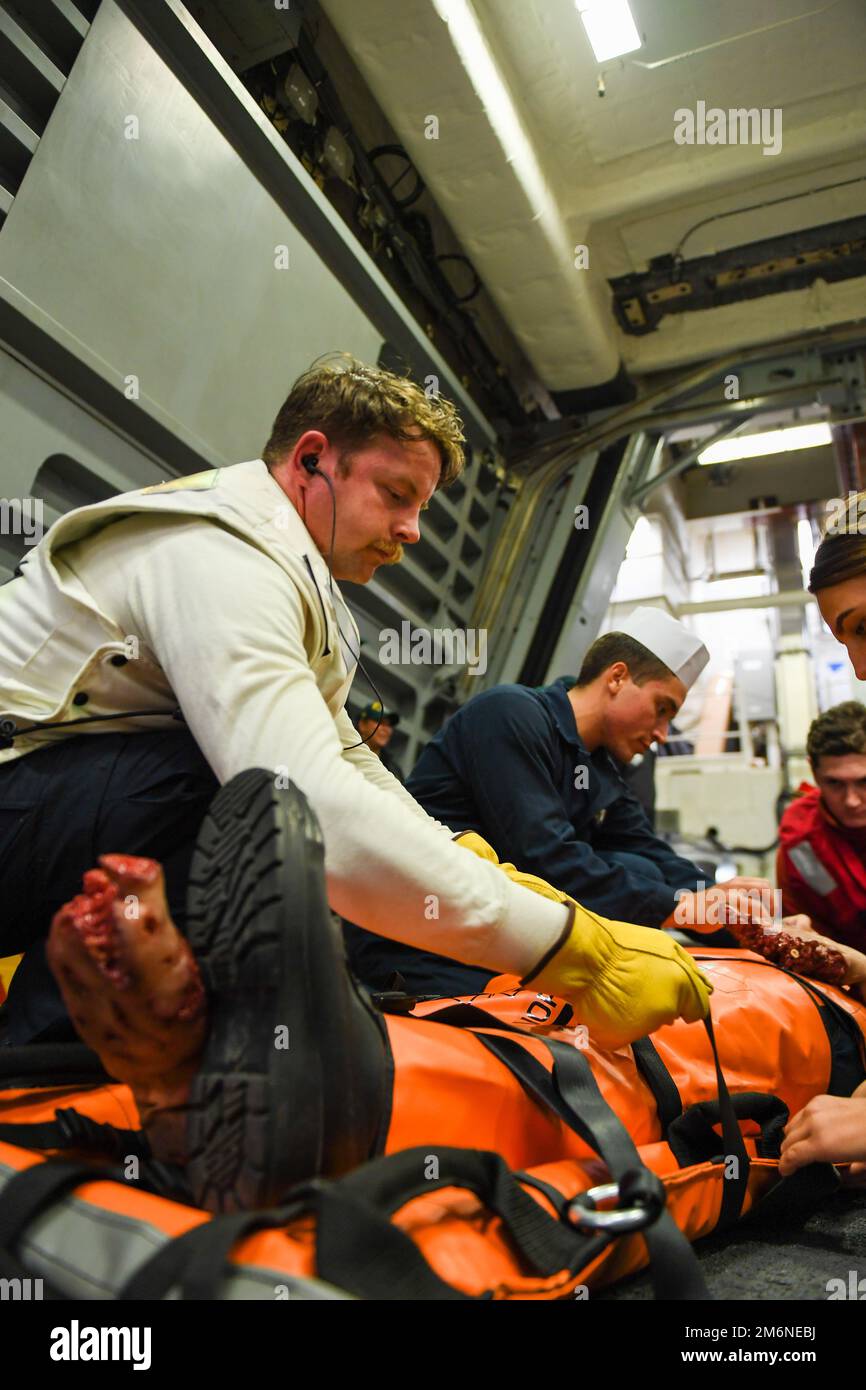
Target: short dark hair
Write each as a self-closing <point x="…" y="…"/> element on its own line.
<point x="352" y="404"/>
<point x="837" y="731"/>
<point x="643" y="665"/>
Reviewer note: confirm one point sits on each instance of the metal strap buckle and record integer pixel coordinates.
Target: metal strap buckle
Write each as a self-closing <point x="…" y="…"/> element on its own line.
<point x="583" y="1212"/>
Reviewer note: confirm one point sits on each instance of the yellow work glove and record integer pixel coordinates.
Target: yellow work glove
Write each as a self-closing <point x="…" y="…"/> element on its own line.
<point x="470" y="840"/>
<point x="623" y="980"/>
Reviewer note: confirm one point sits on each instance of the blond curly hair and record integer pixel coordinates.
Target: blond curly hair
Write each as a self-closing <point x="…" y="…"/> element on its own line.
<point x="352" y="403"/>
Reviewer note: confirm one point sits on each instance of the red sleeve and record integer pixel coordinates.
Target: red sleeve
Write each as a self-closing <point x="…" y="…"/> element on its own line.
<point x="797" y="896"/>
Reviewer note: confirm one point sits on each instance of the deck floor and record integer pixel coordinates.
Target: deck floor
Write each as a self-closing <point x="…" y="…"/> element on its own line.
<point x="763" y="1259"/>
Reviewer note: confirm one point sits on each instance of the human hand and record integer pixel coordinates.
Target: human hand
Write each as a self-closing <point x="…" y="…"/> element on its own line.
<point x="724" y="904"/>
<point x="831" y="1129"/>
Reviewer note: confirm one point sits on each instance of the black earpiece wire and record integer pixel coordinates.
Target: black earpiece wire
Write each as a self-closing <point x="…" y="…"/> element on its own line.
<point x="311" y="463"/>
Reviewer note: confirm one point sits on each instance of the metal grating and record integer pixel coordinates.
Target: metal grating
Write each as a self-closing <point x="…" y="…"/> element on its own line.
<point x="432" y="589"/>
<point x="39" y="42"/>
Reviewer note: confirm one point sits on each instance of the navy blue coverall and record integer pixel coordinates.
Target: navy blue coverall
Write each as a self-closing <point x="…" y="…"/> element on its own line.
<point x="511" y="765"/>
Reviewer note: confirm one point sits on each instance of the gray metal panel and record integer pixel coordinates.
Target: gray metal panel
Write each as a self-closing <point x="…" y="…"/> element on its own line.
<point x="756" y="683"/>
<point x="168" y="268"/>
<point x="531" y="587"/>
<point x="591" y="597"/>
<point x="174" y="281"/>
<point x="26" y="70"/>
<point x="195" y="60"/>
<point x="38" y="423"/>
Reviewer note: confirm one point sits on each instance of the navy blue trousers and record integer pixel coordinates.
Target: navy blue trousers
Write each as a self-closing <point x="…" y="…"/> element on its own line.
<point x="60" y="808"/>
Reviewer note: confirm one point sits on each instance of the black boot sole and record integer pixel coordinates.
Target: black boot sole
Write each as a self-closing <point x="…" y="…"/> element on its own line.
<point x="294" y="1072"/>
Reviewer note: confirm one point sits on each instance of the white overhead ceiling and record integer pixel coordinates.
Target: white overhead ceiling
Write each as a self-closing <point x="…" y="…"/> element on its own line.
<point x="530" y="162"/>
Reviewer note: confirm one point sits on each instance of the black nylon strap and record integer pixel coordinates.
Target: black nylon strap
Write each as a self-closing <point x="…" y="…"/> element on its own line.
<point x="28" y="1193"/>
<point x="539" y="1083"/>
<point x="656" y="1075"/>
<point x="553" y="1194"/>
<point x="358" y="1249"/>
<point x="43" y="1134"/>
<point x="674" y="1267"/>
<point x="388" y="1183"/>
<point x="693" y="1139"/>
<point x="470" y="1016"/>
<point x="362" y="1251"/>
<point x="196" y="1262"/>
<point x="72" y="1130"/>
<point x="733" y="1189"/>
<point x="50" y="1065"/>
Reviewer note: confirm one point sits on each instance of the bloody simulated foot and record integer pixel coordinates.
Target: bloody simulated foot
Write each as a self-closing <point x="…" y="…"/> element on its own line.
<point x="133" y="990"/>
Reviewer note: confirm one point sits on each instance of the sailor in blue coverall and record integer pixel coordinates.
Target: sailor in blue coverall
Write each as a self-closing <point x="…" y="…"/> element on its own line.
<point x="512" y="765"/>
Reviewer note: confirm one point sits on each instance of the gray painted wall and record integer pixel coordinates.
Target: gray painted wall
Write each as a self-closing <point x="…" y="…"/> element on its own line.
<point x="158" y="253"/>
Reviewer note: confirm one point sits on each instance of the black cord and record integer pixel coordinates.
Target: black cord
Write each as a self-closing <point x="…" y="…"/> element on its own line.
<point x="713" y="838"/>
<point x="357" y="656"/>
<point x="9" y="731"/>
<point x="756" y="207"/>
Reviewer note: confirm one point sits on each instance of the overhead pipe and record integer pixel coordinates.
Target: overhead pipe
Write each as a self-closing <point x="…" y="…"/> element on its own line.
<point x="788" y="598"/>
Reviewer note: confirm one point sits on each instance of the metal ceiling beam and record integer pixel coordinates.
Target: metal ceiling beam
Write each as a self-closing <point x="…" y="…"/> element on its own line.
<point x="565" y="453"/>
<point x="789" y="598"/>
<point x="638" y="495"/>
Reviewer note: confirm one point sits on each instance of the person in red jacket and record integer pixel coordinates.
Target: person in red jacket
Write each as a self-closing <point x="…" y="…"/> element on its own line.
<point x="821" y="863"/>
<point x="833" y="1128"/>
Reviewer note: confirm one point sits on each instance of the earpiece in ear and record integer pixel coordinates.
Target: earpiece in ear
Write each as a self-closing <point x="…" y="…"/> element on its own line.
<point x="310" y="462"/>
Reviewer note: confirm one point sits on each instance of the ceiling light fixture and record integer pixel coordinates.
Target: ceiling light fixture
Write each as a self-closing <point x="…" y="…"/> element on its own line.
<point x="747" y="446"/>
<point x="492" y="91"/>
<point x="609" y="27"/>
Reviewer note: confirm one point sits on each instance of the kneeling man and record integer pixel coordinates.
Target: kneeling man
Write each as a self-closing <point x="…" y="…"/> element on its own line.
<point x="537" y="773"/>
